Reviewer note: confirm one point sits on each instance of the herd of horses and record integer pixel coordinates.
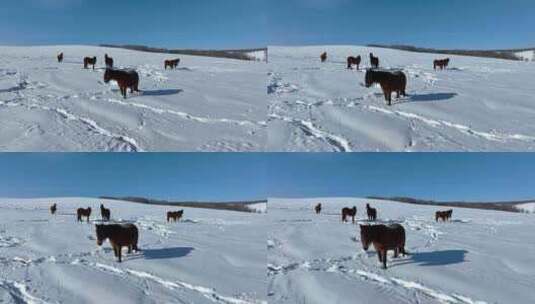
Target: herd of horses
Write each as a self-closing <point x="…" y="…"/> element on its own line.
<point x="389" y="80"/>
<point x="119" y="235"/>
<point x="125" y="78"/>
<point x="382" y="237"/>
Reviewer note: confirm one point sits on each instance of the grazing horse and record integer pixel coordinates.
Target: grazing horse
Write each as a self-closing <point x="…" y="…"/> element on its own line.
<point x="175" y="215"/>
<point x="390" y="81"/>
<point x="108" y="61"/>
<point x="383" y="238"/>
<point x="318" y="208"/>
<point x="172" y="64"/>
<point x="125" y="79"/>
<point x="441" y="63"/>
<point x="83" y="212"/>
<point x="372" y="213"/>
<point x="444" y="215"/>
<point x="60" y="57"/>
<point x="53" y="209"/>
<point x="349" y="212"/>
<point x="353" y="61"/>
<point x="90" y="61"/>
<point x="374" y="61"/>
<point x="105" y="213"/>
<point x="323" y="56"/>
<point x="120" y="235"/>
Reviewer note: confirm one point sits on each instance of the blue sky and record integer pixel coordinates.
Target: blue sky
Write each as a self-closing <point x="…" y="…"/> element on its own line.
<point x="164" y="23"/>
<point x="477" y="24"/>
<point x="439" y="176"/>
<point x="245" y="176"/>
<point x="174" y="176"/>
<point x="480" y="24"/>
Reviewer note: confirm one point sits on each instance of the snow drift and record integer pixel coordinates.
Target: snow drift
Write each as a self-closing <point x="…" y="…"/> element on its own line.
<point x="477" y="104"/>
<point x="206" y="104"/>
<point x="480" y="256"/>
<point x="210" y="256"/>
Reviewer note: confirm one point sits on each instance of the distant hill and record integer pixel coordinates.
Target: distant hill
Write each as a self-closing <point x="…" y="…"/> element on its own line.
<point x="242" y="206"/>
<point x="242" y="54"/>
<point x="510" y="206"/>
<point x="509" y="54"/>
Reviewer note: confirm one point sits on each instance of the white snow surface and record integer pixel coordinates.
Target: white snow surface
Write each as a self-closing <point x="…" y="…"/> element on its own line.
<point x="258" y="207"/>
<point x="527" y="207"/>
<point x="481" y="256"/>
<point x="526" y="55"/>
<point x="210" y="256"/>
<point x="206" y="104"/>
<point x="477" y="104"/>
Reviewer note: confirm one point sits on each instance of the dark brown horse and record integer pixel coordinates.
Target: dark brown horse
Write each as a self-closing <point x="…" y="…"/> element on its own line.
<point x="390" y="81"/>
<point x="372" y="213"/>
<point x="383" y="238"/>
<point x="318" y="208"/>
<point x="175" y="215"/>
<point x="105" y="213"/>
<point x="60" y="57"/>
<point x="323" y="56"/>
<point x="125" y="79"/>
<point x="441" y="63"/>
<point x="108" y="61"/>
<point x="346" y="211"/>
<point x="353" y="61"/>
<point x="374" y="61"/>
<point x="172" y="64"/>
<point x="444" y="215"/>
<point x="53" y="209"/>
<point x="83" y="212"/>
<point x="90" y="61"/>
<point x="120" y="235"/>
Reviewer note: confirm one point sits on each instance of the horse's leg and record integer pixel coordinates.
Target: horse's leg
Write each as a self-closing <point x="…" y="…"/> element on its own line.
<point x="353" y="219"/>
<point x="396" y="252"/>
<point x="119" y="251"/>
<point x="384" y="258"/>
<point x="130" y="248"/>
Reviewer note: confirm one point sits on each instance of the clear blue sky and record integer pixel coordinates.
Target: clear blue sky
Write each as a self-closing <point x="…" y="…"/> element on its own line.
<point x="174" y="176"/>
<point x="165" y="23"/>
<point x="477" y="24"/>
<point x="439" y="176"/>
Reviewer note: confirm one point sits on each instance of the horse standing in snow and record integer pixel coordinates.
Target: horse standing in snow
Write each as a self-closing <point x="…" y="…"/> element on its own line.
<point x="60" y="57"/>
<point x="105" y="213"/>
<point x="383" y="238"/>
<point x="83" y="212"/>
<point x="353" y="61"/>
<point x="318" y="208"/>
<point x="125" y="79"/>
<point x="443" y="215"/>
<point x="374" y="61"/>
<point x="90" y="61"/>
<point x="442" y="63"/>
<point x="372" y="213"/>
<point x="53" y="209"/>
<point x="175" y="215"/>
<point x="108" y="61"/>
<point x="349" y="212"/>
<point x="390" y="81"/>
<point x="172" y="64"/>
<point x="323" y="57"/>
<point x="120" y="235"/>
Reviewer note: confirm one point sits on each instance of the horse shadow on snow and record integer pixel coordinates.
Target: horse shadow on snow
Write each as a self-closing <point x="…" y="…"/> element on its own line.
<point x="435" y="258"/>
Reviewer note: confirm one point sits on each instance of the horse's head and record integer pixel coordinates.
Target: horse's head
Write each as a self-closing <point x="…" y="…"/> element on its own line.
<point x="368" y="78"/>
<point x="107" y="76"/>
<point x="102" y="234"/>
<point x="365" y="237"/>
